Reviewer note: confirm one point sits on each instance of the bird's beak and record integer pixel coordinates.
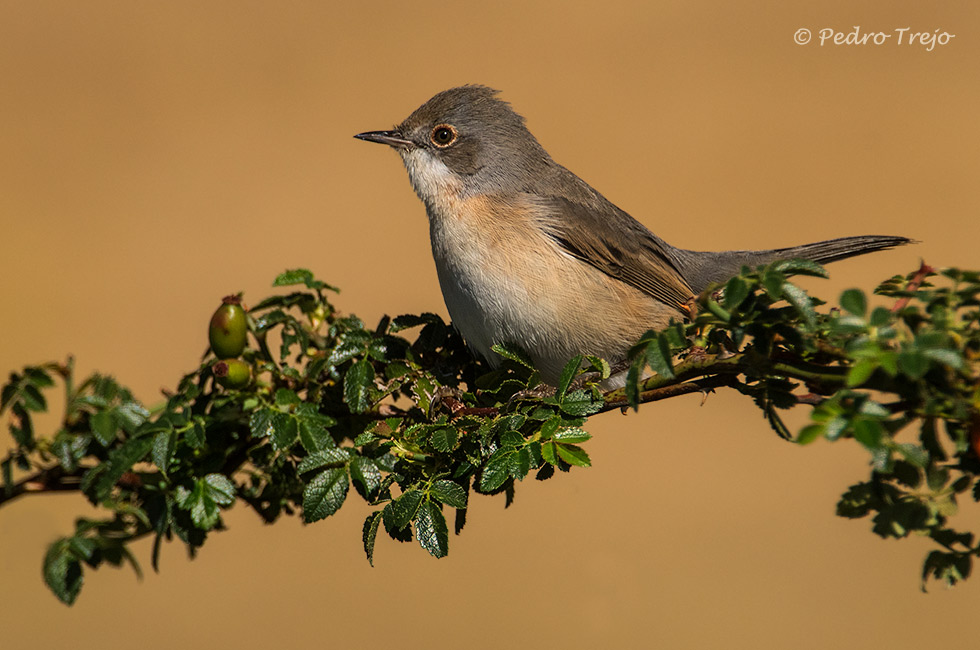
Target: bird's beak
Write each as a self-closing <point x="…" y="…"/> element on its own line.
<point x="390" y="138"/>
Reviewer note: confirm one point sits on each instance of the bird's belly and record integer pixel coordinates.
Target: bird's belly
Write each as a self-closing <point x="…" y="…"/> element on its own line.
<point x="505" y="281"/>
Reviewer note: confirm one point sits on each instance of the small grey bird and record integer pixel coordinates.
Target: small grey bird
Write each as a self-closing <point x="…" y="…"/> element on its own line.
<point x="528" y="253"/>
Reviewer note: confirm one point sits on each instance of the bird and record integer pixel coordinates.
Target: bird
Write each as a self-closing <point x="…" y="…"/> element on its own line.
<point x="529" y="254"/>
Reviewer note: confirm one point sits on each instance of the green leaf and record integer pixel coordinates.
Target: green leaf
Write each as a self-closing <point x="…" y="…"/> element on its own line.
<point x="449" y="492"/>
<point x="798" y="298"/>
<point x="549" y="452"/>
<point x="914" y="454"/>
<point x="444" y="439"/>
<point x="324" y="495"/>
<point x="861" y="371"/>
<point x="568" y="374"/>
<point x="854" y="301"/>
<point x="300" y="276"/>
<point x="497" y="469"/>
<point x="220" y="489"/>
<point x="913" y="363"/>
<point x="369" y="534"/>
<point x="286" y="398"/>
<point x="736" y="291"/>
<point x="659" y="357"/>
<point x="773" y="282"/>
<point x="633" y="376"/>
<point x="358" y="383"/>
<point x="581" y="402"/>
<point x="121" y="460"/>
<point x="572" y="435"/>
<point x="103" y="427"/>
<point x="514" y="353"/>
<point x="403" y="508"/>
<point x="880" y="317"/>
<point x="62" y="571"/>
<point x="324" y="458"/>
<point x="260" y="423"/>
<point x="801" y="267"/>
<point x="366" y="476"/>
<point x="868" y="432"/>
<point x="164" y="443"/>
<point x="810" y="433"/>
<point x="285" y="430"/>
<point x="431" y="529"/>
<point x="574" y="455"/>
<point x="950" y="358"/>
<point x="313" y="428"/>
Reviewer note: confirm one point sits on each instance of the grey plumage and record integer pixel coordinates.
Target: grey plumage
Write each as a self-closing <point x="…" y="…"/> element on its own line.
<point x="529" y="253"/>
<point x="700" y="269"/>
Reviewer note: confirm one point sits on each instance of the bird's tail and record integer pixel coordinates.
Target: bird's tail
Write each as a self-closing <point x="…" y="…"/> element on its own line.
<point x="701" y="269"/>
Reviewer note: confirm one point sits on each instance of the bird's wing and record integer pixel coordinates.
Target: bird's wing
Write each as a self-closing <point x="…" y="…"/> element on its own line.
<point x="615" y="243"/>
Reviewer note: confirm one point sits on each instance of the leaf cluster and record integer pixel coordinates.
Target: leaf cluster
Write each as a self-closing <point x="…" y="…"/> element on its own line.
<point x="402" y="413"/>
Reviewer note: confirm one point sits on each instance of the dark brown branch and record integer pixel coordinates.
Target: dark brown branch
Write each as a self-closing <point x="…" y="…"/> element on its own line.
<point x="52" y="479"/>
<point x="706" y="385"/>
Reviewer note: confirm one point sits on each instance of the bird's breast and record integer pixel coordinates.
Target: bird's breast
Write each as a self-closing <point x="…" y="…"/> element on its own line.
<point x="505" y="280"/>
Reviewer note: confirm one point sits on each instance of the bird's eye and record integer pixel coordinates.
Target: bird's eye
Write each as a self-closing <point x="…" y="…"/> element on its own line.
<point x="443" y="135"/>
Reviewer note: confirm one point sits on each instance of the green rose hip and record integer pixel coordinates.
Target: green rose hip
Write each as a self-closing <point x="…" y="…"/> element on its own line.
<point x="228" y="329"/>
<point x="232" y="373"/>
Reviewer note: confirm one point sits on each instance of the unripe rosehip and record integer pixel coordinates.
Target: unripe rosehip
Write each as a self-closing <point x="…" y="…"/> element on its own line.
<point x="228" y="329"/>
<point x="232" y="373"/>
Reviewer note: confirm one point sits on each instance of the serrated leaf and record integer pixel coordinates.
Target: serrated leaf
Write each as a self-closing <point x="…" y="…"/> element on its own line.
<point x="514" y="353"/>
<point x="799" y="299"/>
<point x="736" y="291"/>
<point x="62" y="572"/>
<point x="801" y="267"/>
<point x="260" y="423"/>
<point x="300" y="276"/>
<point x="285" y="431"/>
<point x="572" y="435"/>
<point x="313" y="428"/>
<point x="633" y="377"/>
<point x="369" y="533"/>
<point x="854" y="301"/>
<point x="810" y="433"/>
<point x="659" y="357"/>
<point x="913" y="363"/>
<point x="568" y="374"/>
<point x="868" y="433"/>
<point x="950" y="358"/>
<point x="444" y="439"/>
<point x="861" y="371"/>
<point x="220" y="489"/>
<point x="914" y="454"/>
<point x="324" y="495"/>
<point x="880" y="317"/>
<point x="164" y="443"/>
<point x="431" y="529"/>
<point x="365" y="475"/>
<point x="286" y="398"/>
<point x="549" y="452"/>
<point x="357" y="386"/>
<point x="449" y="492"/>
<point x="403" y="508"/>
<point x="103" y="427"/>
<point x="573" y="455"/>
<point x="580" y="403"/>
<point x="497" y="469"/>
<point x="323" y="458"/>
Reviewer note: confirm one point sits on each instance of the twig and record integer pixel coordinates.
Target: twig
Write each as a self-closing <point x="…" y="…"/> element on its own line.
<point x="705" y="385"/>
<point x="913" y="285"/>
<point x="52" y="479"/>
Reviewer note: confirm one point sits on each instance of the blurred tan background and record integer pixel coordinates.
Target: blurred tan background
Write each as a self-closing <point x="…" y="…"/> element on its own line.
<point x="157" y="156"/>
